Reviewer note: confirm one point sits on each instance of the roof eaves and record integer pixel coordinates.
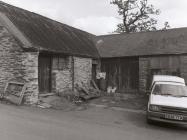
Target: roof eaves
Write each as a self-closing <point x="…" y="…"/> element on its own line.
<point x="50" y="51"/>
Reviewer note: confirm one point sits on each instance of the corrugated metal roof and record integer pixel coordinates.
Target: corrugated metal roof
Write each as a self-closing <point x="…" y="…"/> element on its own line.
<point x="173" y="41"/>
<point x="50" y="35"/>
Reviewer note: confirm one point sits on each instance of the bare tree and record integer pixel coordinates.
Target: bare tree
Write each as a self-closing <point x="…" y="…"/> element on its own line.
<point x="136" y="16"/>
<point x="166" y="26"/>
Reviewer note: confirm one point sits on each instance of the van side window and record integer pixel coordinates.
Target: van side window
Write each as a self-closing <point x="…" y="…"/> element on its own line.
<point x="156" y="89"/>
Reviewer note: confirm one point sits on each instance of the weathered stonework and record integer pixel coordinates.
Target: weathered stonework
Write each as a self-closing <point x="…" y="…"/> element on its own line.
<point x="78" y="71"/>
<point x="30" y="67"/>
<point x="17" y="65"/>
<point x="143" y="74"/>
<point x="82" y="70"/>
<point x="20" y="66"/>
<point x="62" y="79"/>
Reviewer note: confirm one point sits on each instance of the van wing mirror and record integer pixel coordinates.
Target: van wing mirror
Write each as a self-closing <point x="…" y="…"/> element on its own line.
<point x="148" y="92"/>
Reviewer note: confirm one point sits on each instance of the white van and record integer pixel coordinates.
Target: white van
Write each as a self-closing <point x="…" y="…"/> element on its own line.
<point x="167" y="100"/>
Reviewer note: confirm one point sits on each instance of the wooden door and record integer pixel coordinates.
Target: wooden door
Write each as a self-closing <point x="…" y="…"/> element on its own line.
<point x="129" y="74"/>
<point x="122" y="73"/>
<point x="94" y="66"/>
<point x="44" y="74"/>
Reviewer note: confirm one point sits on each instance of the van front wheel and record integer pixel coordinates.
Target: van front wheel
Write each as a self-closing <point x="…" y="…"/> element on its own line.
<point x="149" y="121"/>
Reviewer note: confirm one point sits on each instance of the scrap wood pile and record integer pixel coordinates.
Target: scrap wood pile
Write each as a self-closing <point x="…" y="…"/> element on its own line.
<point x="82" y="92"/>
<point x="85" y="92"/>
<point x="69" y="98"/>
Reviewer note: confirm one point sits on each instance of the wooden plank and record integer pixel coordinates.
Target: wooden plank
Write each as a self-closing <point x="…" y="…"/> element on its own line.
<point x="119" y="74"/>
<point x="94" y="73"/>
<point x="47" y="94"/>
<point x="14" y="93"/>
<point x="94" y="85"/>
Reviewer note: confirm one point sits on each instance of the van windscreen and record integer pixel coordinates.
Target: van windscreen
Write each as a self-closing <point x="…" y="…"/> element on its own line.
<point x="173" y="90"/>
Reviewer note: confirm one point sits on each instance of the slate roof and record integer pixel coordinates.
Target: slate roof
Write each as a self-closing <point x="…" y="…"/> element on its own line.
<point x="172" y="41"/>
<point x="50" y="35"/>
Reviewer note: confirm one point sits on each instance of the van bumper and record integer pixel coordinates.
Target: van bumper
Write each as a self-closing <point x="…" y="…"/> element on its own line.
<point x="160" y="117"/>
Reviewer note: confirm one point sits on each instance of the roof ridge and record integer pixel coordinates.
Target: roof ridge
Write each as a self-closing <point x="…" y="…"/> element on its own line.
<point x="171" y="29"/>
<point x="167" y="42"/>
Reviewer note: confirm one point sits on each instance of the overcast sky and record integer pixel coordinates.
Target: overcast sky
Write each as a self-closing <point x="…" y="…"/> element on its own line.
<point x="99" y="16"/>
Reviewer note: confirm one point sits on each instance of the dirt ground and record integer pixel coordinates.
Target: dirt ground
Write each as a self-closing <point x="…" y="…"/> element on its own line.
<point x="126" y="101"/>
<point x="129" y="101"/>
<point x="31" y="123"/>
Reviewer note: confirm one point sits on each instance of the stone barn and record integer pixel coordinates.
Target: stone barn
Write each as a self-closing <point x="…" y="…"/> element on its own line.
<point x="130" y="60"/>
<point x="46" y="55"/>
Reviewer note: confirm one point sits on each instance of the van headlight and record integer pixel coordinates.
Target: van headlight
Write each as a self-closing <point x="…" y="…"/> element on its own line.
<point x="154" y="108"/>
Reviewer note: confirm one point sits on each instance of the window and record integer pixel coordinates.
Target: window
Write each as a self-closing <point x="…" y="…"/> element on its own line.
<point x="60" y="63"/>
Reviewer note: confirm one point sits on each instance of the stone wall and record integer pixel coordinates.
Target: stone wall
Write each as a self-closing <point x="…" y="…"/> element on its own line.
<point x="30" y="67"/>
<point x="82" y="70"/>
<point x="17" y="66"/>
<point x="20" y="66"/>
<point x="143" y="74"/>
<point x="62" y="79"/>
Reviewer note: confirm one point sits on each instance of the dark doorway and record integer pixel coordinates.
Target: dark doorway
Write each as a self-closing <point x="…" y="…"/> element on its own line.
<point x="94" y="67"/>
<point x="44" y="73"/>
